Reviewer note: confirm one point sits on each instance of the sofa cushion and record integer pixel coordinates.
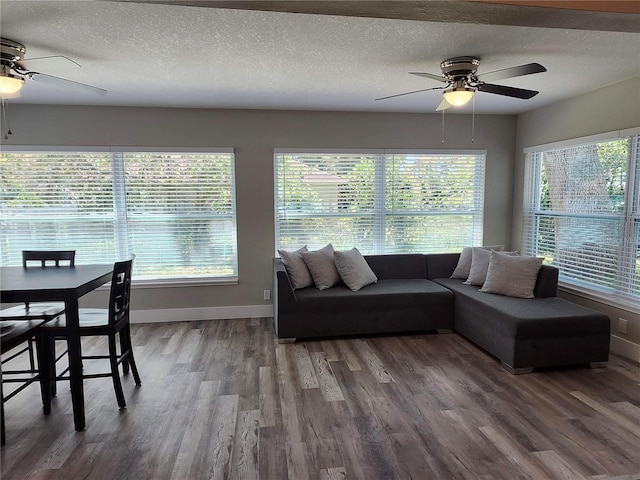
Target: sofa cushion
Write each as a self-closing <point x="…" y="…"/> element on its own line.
<point x="480" y="264"/>
<point x="526" y="318"/>
<point x="322" y="267"/>
<point x="513" y="276"/>
<point x="354" y="269"/>
<point x="405" y="293"/>
<point x="464" y="262"/>
<point x="398" y="266"/>
<point x="296" y="268"/>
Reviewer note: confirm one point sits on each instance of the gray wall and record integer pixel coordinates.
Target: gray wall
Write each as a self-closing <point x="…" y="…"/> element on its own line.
<point x="254" y="134"/>
<point x="615" y="107"/>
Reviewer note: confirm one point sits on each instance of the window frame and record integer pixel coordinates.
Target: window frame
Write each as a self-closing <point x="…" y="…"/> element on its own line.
<point x="380" y="213"/>
<point x="622" y="295"/>
<point x="118" y="153"/>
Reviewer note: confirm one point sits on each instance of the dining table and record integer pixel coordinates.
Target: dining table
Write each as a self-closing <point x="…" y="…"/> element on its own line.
<point x="61" y="284"/>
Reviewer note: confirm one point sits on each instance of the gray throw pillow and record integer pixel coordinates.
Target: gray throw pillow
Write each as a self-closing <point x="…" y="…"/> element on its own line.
<point x="299" y="274"/>
<point x="480" y="264"/>
<point x="322" y="267"/>
<point x="354" y="269"/>
<point x="512" y="276"/>
<point x="464" y="262"/>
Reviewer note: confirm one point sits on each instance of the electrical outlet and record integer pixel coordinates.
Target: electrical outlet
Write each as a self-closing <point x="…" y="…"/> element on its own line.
<point x="622" y="325"/>
<point x="267" y="295"/>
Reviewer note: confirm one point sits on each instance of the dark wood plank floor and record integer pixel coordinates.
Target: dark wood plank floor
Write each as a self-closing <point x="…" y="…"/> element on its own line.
<point x="222" y="399"/>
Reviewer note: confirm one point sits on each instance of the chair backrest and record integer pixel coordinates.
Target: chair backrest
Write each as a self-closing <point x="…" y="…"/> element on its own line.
<point x="45" y="256"/>
<point x="120" y="292"/>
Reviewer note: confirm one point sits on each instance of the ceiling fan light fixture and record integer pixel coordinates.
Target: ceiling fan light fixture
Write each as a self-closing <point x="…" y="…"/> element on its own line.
<point x="458" y="96"/>
<point x="9" y="84"/>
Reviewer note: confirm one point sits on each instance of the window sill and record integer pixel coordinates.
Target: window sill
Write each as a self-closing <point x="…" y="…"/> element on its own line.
<point x="611" y="300"/>
<point x="179" y="283"/>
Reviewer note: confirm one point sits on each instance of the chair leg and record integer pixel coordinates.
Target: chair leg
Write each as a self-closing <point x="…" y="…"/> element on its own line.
<point x="32" y="362"/>
<point x="2" y="436"/>
<point x="115" y="373"/>
<point x="124" y="347"/>
<point x="50" y="348"/>
<point x="131" y="359"/>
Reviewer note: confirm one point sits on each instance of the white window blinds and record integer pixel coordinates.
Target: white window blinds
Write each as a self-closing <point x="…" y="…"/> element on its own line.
<point x="581" y="214"/>
<point x="174" y="210"/>
<point x="323" y="198"/>
<point x="380" y="202"/>
<point x="434" y="203"/>
<point x="57" y="201"/>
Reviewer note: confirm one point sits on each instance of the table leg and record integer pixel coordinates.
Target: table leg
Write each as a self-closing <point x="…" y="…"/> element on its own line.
<point x="45" y="357"/>
<point x="75" y="362"/>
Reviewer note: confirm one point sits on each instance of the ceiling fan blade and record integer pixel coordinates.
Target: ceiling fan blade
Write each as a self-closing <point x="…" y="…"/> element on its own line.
<point x="443" y="105"/>
<point x="409" y="93"/>
<point x="507" y="91"/>
<point x="50" y="61"/>
<point x="511" y="72"/>
<point x="67" y="84"/>
<point x="439" y="78"/>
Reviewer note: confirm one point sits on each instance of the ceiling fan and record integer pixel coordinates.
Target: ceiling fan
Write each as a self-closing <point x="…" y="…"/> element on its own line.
<point x="462" y="81"/>
<point x="14" y="70"/>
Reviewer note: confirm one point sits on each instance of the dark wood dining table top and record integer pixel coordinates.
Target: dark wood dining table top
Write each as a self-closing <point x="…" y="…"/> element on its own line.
<point x="19" y="284"/>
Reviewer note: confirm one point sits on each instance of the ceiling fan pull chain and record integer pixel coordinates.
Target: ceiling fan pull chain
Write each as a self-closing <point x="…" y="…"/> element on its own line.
<point x="5" y="118"/>
<point x="443" y="126"/>
<point x="473" y="119"/>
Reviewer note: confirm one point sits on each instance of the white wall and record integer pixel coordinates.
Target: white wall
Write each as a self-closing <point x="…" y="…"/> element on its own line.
<point x="615" y="107"/>
<point x="254" y="134"/>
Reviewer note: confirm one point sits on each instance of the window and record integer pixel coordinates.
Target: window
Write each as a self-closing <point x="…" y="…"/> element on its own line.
<point x="379" y="201"/>
<point x="174" y="210"/>
<point x="582" y="213"/>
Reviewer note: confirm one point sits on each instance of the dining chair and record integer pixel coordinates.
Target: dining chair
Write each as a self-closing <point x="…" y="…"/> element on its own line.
<point x="39" y="310"/>
<point x="112" y="322"/>
<point x="14" y="334"/>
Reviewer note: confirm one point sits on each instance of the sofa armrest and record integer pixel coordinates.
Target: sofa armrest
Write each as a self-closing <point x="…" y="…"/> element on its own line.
<point x="547" y="283"/>
<point x="284" y="296"/>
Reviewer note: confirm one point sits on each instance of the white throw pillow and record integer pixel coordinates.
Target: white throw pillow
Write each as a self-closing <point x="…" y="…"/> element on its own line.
<point x="354" y="269"/>
<point x="322" y="267"/>
<point x="299" y="274"/>
<point x="513" y="276"/>
<point x="464" y="262"/>
<point x="480" y="264"/>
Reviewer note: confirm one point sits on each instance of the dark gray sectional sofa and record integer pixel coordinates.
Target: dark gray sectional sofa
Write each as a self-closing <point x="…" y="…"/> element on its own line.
<point x="414" y="293"/>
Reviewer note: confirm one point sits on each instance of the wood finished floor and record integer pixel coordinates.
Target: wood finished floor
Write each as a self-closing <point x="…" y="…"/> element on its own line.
<point x="223" y="400"/>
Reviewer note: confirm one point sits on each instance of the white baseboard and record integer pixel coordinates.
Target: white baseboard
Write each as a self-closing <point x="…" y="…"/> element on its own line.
<point x="625" y="348"/>
<point x="203" y="313"/>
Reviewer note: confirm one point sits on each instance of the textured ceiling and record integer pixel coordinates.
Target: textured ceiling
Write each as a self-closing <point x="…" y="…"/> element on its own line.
<point x="168" y="54"/>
